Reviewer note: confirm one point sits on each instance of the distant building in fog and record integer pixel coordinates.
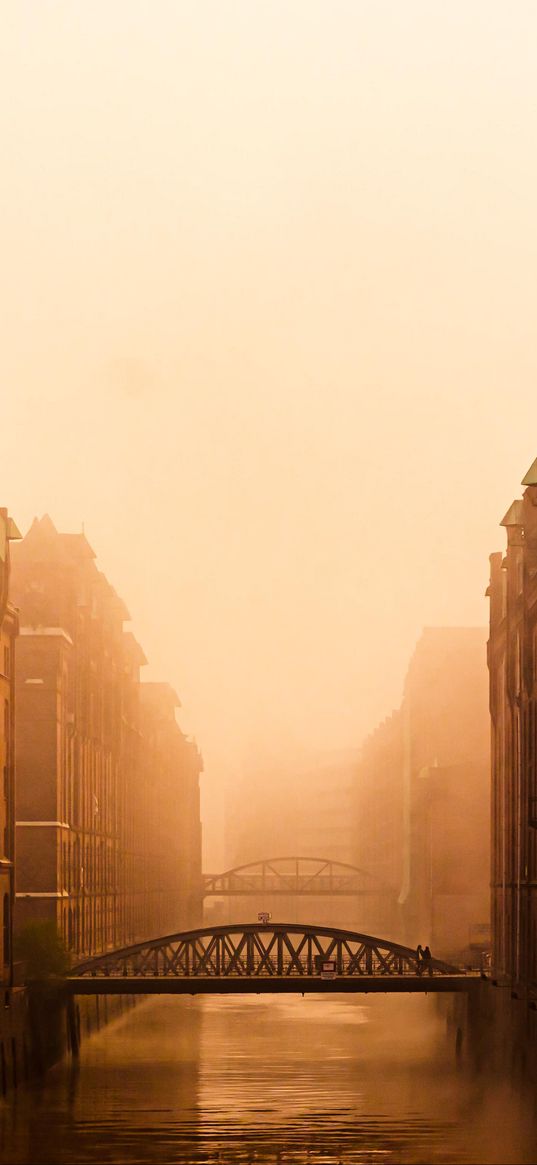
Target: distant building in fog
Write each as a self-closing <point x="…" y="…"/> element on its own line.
<point x="324" y="820"/>
<point x="169" y="810"/>
<point x="513" y="702"/>
<point x="301" y="810"/>
<point x="304" y="810"/>
<point x="8" y="632"/>
<point x="108" y="829"/>
<point x="422" y="794"/>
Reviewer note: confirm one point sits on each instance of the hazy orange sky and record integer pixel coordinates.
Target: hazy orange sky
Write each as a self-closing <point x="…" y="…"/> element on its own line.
<point x="269" y="288"/>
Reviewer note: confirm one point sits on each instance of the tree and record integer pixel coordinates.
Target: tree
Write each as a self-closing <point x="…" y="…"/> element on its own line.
<point x="39" y="946"/>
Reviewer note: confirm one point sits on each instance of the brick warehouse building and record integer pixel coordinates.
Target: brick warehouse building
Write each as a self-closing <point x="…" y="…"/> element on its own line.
<point x="512" y="657"/>
<point x="8" y="632"/>
<point x="423" y="796"/>
<point x="102" y="786"/>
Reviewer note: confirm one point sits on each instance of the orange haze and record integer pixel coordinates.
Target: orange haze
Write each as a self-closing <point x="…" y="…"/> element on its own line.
<point x="268" y="303"/>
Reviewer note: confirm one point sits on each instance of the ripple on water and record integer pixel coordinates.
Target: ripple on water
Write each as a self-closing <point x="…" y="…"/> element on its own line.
<point x="238" y="1080"/>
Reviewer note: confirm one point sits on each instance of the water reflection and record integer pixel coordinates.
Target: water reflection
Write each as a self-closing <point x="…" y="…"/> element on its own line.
<point x="248" y="1079"/>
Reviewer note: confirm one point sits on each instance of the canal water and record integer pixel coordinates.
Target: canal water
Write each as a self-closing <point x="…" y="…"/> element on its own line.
<point x="289" y="1080"/>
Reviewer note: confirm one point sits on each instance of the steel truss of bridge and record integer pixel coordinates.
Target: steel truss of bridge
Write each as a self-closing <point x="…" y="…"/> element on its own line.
<point x="259" y="958"/>
<point x="292" y="876"/>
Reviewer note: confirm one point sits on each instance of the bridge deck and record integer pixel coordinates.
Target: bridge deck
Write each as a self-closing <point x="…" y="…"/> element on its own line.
<point x="272" y="984"/>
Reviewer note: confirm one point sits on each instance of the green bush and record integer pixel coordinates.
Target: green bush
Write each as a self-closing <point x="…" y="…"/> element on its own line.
<point x="39" y="946"/>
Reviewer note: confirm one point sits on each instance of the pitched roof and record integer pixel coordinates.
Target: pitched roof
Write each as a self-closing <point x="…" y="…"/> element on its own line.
<point x="531" y="476"/>
<point x="153" y="692"/>
<point x="43" y="536"/>
<point x="133" y="648"/>
<point x="515" y="514"/>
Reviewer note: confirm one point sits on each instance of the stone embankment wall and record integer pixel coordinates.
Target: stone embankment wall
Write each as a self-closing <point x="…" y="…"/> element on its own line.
<point x="494" y="1030"/>
<point x="38" y="1028"/>
<point x="15" y="1039"/>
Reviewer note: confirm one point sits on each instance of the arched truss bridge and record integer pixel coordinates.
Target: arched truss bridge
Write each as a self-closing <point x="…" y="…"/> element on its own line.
<point x="263" y="957"/>
<point x="293" y="876"/>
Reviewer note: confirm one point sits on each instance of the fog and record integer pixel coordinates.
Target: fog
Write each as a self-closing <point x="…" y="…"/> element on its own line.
<point x="268" y="300"/>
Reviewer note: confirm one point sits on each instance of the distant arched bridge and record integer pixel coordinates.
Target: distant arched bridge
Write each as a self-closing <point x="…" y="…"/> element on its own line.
<point x="293" y="876"/>
<point x="263" y="958"/>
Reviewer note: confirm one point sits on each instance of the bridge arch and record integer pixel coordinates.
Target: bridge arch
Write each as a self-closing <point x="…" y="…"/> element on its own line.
<point x="261" y="950"/>
<point x="291" y="876"/>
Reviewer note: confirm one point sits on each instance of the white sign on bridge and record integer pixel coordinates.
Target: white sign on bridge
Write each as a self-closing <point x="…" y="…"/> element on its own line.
<point x="264" y="916"/>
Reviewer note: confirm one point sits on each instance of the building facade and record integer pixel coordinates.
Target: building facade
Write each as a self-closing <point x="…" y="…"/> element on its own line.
<point x="8" y="633"/>
<point x="422" y="796"/>
<point x="512" y="655"/>
<point x="299" y="808"/>
<point x="87" y="781"/>
<point x="169" y="821"/>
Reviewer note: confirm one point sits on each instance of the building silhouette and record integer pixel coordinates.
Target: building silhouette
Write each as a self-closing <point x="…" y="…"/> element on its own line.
<point x="107" y="799"/>
<point x="8" y="632"/>
<point x="300" y="806"/>
<point x="422" y="795"/>
<point x="512" y="655"/>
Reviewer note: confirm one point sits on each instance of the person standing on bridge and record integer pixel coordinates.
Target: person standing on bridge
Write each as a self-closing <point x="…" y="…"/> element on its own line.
<point x="419" y="959"/>
<point x="428" y="959"/>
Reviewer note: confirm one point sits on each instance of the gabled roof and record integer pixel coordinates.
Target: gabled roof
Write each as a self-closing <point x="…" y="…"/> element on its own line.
<point x="106" y="591"/>
<point x="133" y="649"/>
<point x="153" y="692"/>
<point x="44" y="537"/>
<point x="531" y="476"/>
<point x="77" y="545"/>
<point x="514" y="515"/>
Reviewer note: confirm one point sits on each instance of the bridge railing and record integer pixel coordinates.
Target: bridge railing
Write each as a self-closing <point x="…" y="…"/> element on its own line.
<point x="287" y="969"/>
